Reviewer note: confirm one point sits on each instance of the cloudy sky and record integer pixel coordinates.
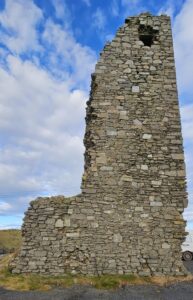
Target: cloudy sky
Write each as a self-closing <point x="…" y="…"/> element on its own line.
<point x="48" y="49"/>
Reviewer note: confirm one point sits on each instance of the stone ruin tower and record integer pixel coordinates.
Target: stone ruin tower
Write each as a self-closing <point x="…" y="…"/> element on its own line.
<point x="128" y="218"/>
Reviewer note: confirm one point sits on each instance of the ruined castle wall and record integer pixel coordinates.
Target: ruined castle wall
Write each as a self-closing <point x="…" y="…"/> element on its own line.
<point x="128" y="218"/>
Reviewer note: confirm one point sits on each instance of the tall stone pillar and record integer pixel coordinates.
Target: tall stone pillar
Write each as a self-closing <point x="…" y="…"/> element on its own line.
<point x="128" y="218"/>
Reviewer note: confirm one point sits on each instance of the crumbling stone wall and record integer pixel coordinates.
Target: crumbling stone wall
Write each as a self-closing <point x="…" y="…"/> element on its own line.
<point x="128" y="218"/>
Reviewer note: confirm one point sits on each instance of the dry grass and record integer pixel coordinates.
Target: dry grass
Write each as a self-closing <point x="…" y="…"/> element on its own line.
<point x="26" y="282"/>
<point x="166" y="280"/>
<point x="10" y="239"/>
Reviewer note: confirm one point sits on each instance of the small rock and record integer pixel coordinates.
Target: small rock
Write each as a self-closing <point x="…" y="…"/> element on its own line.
<point x="117" y="238"/>
<point x="135" y="89"/>
<point x="59" y="223"/>
<point x="147" y="136"/>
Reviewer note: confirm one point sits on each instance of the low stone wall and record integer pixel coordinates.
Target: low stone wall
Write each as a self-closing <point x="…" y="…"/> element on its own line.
<point x="74" y="235"/>
<point x="52" y="237"/>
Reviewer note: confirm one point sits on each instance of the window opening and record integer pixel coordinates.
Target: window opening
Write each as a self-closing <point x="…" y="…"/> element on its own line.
<point x="147" y="34"/>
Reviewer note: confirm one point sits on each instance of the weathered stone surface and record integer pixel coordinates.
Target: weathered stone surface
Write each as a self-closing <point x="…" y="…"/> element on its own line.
<point x="135" y="89"/>
<point x="59" y="223"/>
<point x="147" y="136"/>
<point x="128" y="218"/>
<point x="117" y="238"/>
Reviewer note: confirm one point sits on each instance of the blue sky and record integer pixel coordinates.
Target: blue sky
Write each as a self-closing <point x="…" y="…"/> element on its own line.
<point x="48" y="49"/>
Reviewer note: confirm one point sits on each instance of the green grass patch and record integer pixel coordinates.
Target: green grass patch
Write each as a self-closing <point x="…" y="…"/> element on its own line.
<point x="106" y="282"/>
<point x="40" y="282"/>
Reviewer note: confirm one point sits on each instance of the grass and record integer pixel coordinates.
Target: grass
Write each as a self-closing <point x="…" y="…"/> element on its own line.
<point x="26" y="282"/>
<point x="10" y="239"/>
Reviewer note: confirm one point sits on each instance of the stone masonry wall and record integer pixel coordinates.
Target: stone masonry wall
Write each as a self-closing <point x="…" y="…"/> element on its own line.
<point x="128" y="218"/>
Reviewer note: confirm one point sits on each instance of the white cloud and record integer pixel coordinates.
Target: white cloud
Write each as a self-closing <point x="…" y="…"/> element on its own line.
<point x="168" y="9"/>
<point x="187" y="122"/>
<point x="4" y="206"/>
<point x="87" y="2"/>
<point x="187" y="112"/>
<point x="99" y="19"/>
<point x="61" y="10"/>
<point x="115" y="8"/>
<point x="183" y="42"/>
<point x="67" y="54"/>
<point x="20" y="19"/>
<point x="188" y="213"/>
<point x="42" y="107"/>
<point x="42" y="121"/>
